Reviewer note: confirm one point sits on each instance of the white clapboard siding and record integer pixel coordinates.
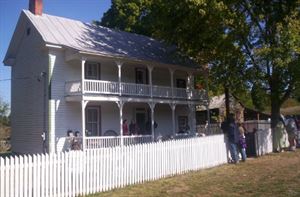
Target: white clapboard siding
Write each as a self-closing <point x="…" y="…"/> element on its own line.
<point x="96" y="170"/>
<point x="27" y="91"/>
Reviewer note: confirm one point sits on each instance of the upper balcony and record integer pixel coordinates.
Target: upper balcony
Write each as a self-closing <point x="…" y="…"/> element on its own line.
<point x="100" y="87"/>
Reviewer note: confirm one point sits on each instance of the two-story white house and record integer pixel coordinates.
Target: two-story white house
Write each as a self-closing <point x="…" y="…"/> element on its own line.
<point x="70" y="75"/>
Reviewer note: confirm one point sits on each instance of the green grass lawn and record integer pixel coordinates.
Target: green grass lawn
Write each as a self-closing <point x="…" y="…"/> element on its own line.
<point x="272" y="175"/>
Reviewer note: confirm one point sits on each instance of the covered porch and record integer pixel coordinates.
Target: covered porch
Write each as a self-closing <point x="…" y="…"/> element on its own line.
<point x="127" y="122"/>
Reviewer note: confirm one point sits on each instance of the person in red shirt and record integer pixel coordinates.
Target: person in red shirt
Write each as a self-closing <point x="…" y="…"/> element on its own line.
<point x="125" y="127"/>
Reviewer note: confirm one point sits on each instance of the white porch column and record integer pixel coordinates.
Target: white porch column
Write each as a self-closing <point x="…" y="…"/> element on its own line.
<point x="120" y="105"/>
<point x="208" y="119"/>
<point x="83" y="105"/>
<point x="150" y="68"/>
<point x="119" y="64"/>
<point x="190" y="85"/>
<point x="82" y="75"/>
<point x="172" y="81"/>
<point x="152" y="106"/>
<point x="173" y="107"/>
<point x="192" y="117"/>
<point x="51" y="105"/>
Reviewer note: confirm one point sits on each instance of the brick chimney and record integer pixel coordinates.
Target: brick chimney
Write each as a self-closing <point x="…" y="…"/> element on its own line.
<point x="36" y="7"/>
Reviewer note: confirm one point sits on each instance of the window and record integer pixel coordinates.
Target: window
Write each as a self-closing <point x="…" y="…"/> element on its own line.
<point x="180" y="83"/>
<point x="141" y="75"/>
<point x="92" y="70"/>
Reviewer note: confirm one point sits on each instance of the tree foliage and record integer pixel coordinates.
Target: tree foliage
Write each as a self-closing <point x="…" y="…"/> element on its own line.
<point x="248" y="45"/>
<point x="270" y="41"/>
<point x="4" y="113"/>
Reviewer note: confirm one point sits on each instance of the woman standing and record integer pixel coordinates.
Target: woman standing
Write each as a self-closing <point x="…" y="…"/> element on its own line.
<point x="280" y="141"/>
<point x="242" y="142"/>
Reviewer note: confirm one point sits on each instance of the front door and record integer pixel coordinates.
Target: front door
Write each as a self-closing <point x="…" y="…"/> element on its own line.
<point x="140" y="117"/>
<point x="92" y="121"/>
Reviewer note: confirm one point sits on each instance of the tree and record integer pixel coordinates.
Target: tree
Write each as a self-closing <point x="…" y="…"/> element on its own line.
<point x="128" y="15"/>
<point x="197" y="28"/>
<point x="248" y="45"/>
<point x="270" y="41"/>
<point x="4" y="110"/>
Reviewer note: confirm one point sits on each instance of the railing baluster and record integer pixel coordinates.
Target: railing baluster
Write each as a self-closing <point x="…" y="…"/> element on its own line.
<point x="112" y="141"/>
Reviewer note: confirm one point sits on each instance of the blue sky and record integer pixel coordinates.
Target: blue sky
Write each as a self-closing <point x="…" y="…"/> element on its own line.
<point x="83" y="10"/>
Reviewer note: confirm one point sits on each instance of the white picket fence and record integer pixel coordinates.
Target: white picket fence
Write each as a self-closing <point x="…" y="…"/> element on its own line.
<point x="86" y="172"/>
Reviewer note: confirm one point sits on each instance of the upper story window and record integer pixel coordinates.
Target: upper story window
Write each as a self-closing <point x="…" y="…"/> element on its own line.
<point x="92" y="70"/>
<point x="180" y="83"/>
<point x="141" y="75"/>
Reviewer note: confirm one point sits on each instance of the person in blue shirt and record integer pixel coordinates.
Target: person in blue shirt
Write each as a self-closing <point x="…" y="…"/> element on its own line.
<point x="230" y="128"/>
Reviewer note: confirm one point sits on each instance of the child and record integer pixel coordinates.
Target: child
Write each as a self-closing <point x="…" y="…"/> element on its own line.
<point x="242" y="142"/>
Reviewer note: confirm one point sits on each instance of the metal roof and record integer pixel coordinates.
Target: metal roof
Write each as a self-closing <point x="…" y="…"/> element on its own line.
<point x="97" y="39"/>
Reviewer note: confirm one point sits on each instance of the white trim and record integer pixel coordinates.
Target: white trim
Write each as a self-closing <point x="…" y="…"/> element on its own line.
<point x="119" y="65"/>
<point x="83" y="105"/>
<point x="53" y="46"/>
<point x="138" y="100"/>
<point x="120" y="105"/>
<point x="82" y="75"/>
<point x="173" y="108"/>
<point x="150" y="69"/>
<point x="51" y="106"/>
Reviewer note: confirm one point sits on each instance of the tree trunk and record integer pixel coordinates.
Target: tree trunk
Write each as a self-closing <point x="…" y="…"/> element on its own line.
<point x="275" y="113"/>
<point x="227" y="101"/>
<point x="275" y="101"/>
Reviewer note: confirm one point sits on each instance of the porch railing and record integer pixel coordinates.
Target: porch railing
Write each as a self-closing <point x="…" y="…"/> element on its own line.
<point x="103" y="87"/>
<point x="131" y="89"/>
<point x="162" y="91"/>
<point x="135" y="89"/>
<point x="112" y="141"/>
<point x="180" y="93"/>
<point x="73" y="87"/>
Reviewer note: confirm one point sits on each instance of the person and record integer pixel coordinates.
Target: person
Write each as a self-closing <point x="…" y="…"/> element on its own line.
<point x="206" y="127"/>
<point x="242" y="141"/>
<point x="125" y="128"/>
<point x="291" y="129"/>
<point x="69" y="139"/>
<point x="230" y="128"/>
<point x="70" y="133"/>
<point x="132" y="128"/>
<point x="279" y="142"/>
<point x="76" y="142"/>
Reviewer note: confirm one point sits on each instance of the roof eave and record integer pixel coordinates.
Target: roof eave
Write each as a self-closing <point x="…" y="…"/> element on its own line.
<point x="9" y="61"/>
